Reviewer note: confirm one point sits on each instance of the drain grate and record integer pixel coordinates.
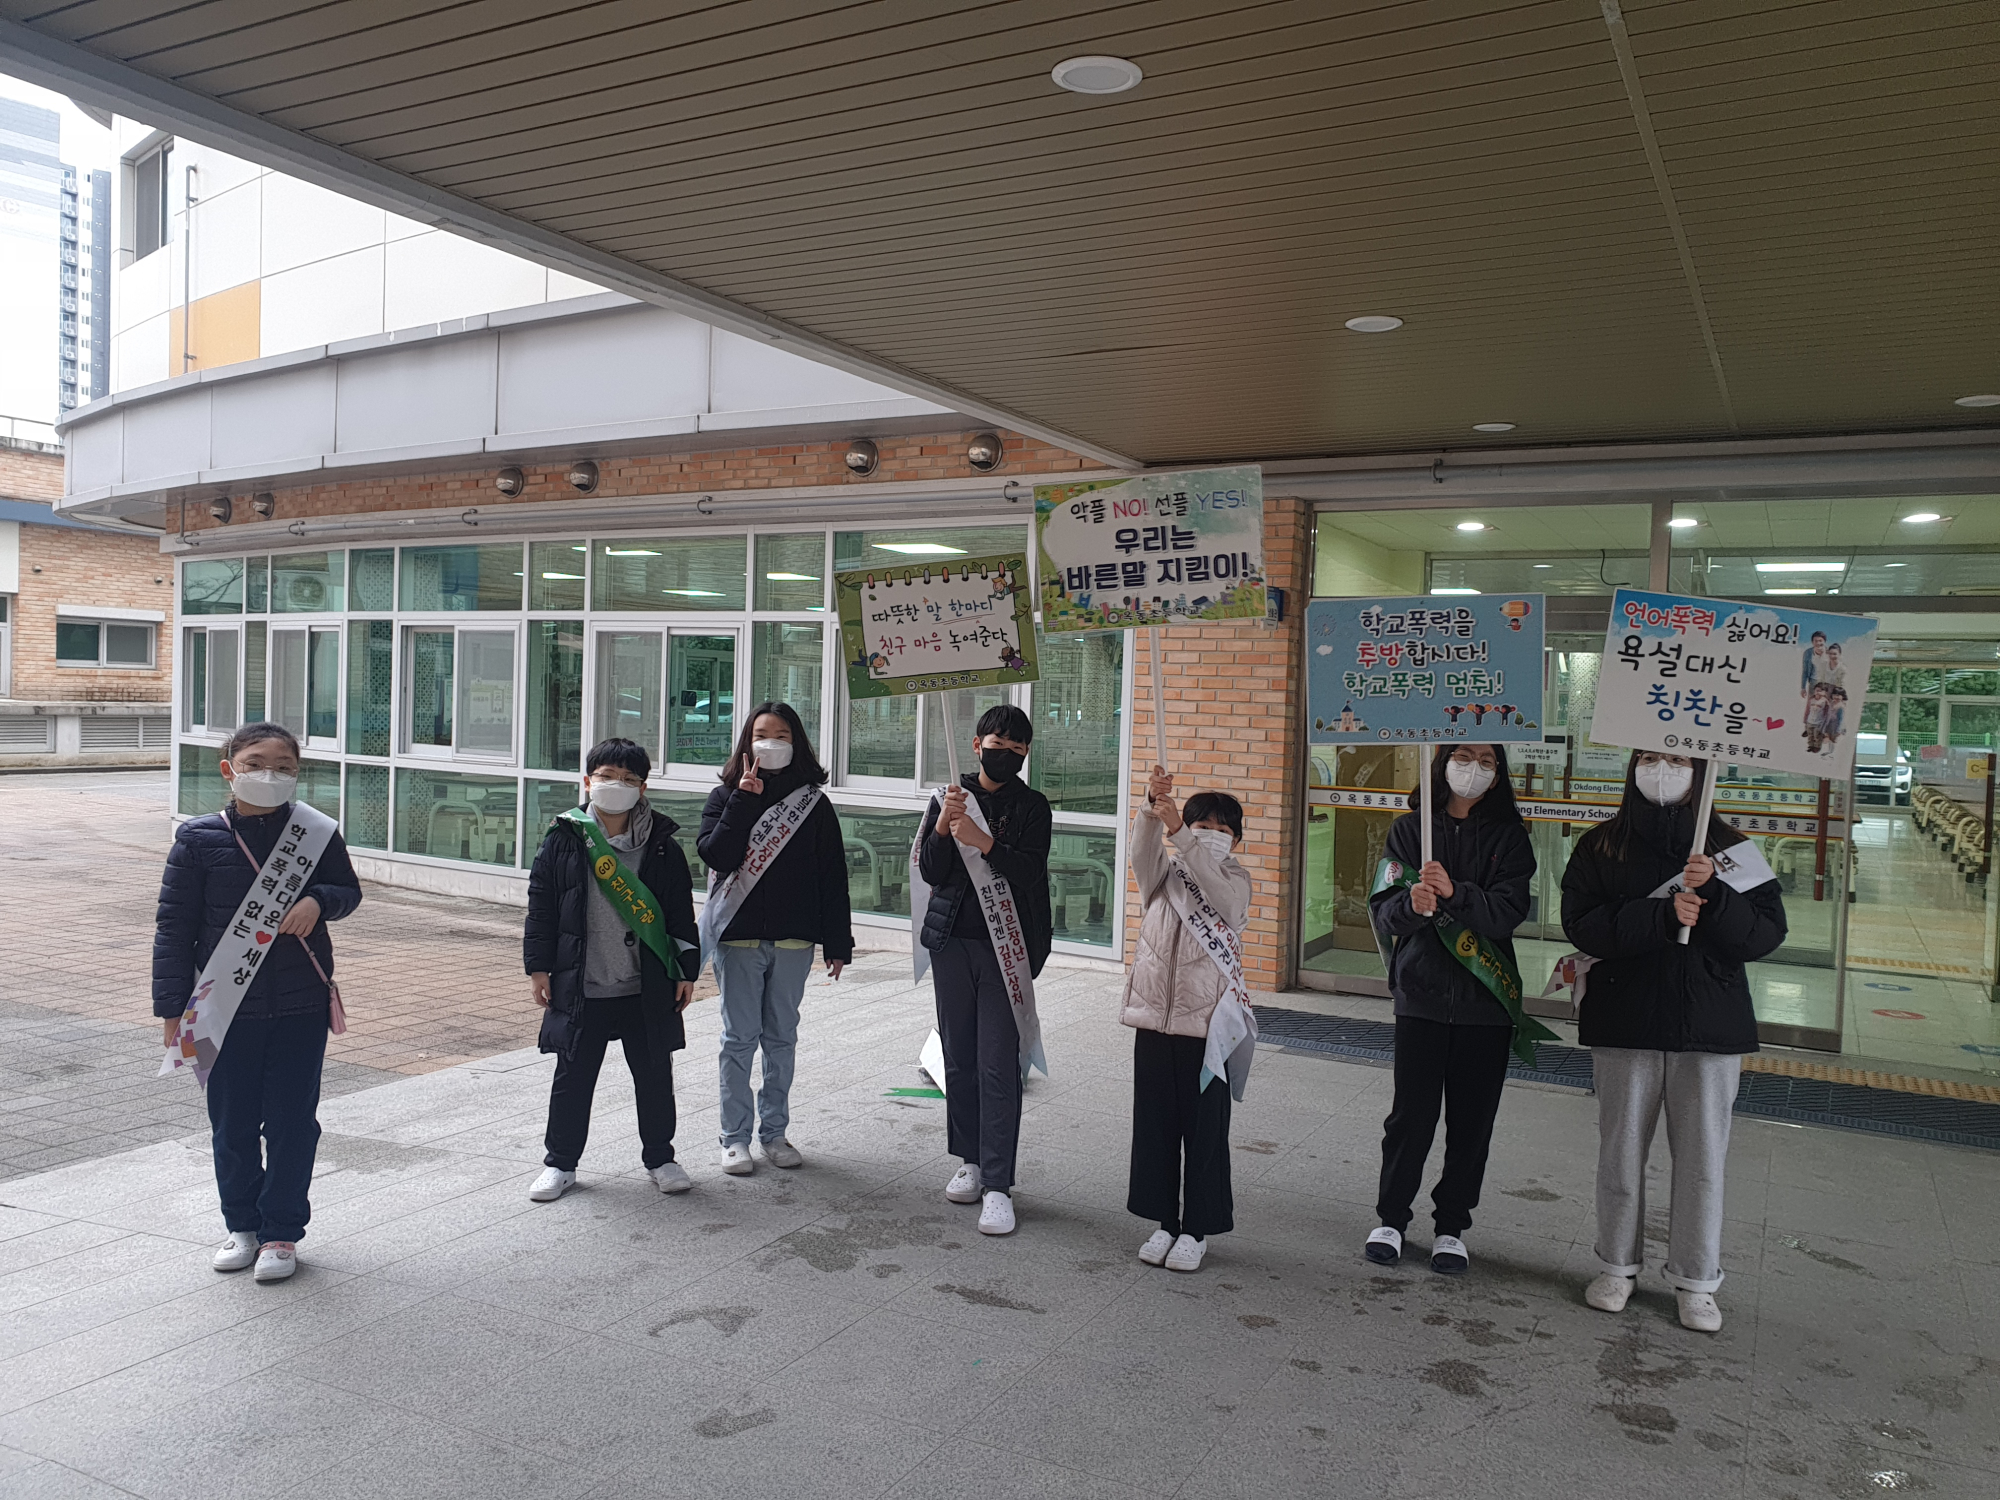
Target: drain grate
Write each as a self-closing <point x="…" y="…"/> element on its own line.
<point x="1810" y="1101"/>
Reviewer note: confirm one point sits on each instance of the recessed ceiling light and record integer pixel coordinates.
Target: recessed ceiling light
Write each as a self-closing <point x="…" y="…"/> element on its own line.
<point x="1919" y="517"/>
<point x="693" y="593"/>
<point x="577" y="576"/>
<point x="1681" y="523"/>
<point x="1486" y="426"/>
<point x="1805" y="567"/>
<point x="1895" y="565"/>
<point x="1374" y="323"/>
<point x="1983" y="400"/>
<point x="793" y="577"/>
<point x="1545" y="565"/>
<point x="1454" y="591"/>
<point x="1096" y="75"/>
<point x="630" y="552"/>
<point x="1791" y="591"/>
<point x="920" y="549"/>
<point x="1471" y="525"/>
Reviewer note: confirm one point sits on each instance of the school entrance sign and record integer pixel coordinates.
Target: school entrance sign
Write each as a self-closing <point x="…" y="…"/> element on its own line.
<point x="928" y="628"/>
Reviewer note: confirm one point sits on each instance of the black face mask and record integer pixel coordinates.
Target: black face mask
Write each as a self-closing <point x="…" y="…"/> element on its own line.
<point x="1001" y="765"/>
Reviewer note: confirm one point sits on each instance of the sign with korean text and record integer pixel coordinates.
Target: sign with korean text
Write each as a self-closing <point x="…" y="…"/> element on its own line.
<point x="1747" y="684"/>
<point x="931" y="627"/>
<point x="1433" y="667"/>
<point x="1160" y="549"/>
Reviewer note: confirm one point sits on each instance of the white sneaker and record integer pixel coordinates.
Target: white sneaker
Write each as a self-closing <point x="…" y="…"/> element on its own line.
<point x="736" y="1160"/>
<point x="1448" y="1255"/>
<point x="1186" y="1254"/>
<point x="1385" y="1245"/>
<point x="551" y="1185"/>
<point x="1154" y="1251"/>
<point x="277" y="1259"/>
<point x="996" y="1214"/>
<point x="237" y="1253"/>
<point x="670" y="1177"/>
<point x="964" y="1185"/>
<point x="1699" y="1312"/>
<point x="782" y="1153"/>
<point x="1609" y="1293"/>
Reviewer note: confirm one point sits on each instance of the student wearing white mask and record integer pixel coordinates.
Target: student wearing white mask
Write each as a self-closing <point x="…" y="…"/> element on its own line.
<point x="1667" y="1023"/>
<point x="778" y="887"/>
<point x="1452" y="924"/>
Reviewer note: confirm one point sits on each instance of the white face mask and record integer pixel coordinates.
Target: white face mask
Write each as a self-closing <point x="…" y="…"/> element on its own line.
<point x="772" y="755"/>
<point x="1663" y="782"/>
<point x="1218" y="841"/>
<point x="614" y="796"/>
<point x="1468" y="778"/>
<point x="264" y="788"/>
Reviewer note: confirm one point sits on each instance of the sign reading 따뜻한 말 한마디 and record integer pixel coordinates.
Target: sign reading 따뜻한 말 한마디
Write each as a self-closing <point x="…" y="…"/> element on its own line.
<point x="934" y="627"/>
<point x="1424" y="668"/>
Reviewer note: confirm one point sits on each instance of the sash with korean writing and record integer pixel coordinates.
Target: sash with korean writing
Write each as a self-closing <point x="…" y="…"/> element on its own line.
<point x="727" y="894"/>
<point x="1232" y="1029"/>
<point x="625" y="891"/>
<point x="225" y="979"/>
<point x="1010" y="943"/>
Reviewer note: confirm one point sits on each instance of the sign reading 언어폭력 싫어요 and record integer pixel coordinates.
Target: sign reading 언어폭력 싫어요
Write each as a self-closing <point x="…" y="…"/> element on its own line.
<point x="1748" y="684"/>
<point x="1425" y="668"/>
<point x="1151" y="550"/>
<point x="933" y="627"/>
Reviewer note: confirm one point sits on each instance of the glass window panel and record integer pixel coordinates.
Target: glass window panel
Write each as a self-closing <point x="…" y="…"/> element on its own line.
<point x="882" y="738"/>
<point x="128" y="645"/>
<point x="543" y="801"/>
<point x="450" y="815"/>
<point x="319" y="786"/>
<point x="462" y="578"/>
<point x="486" y="692"/>
<point x="288" y="679"/>
<point x="367" y="825"/>
<point x="855" y="549"/>
<point x="555" y="575"/>
<point x="878" y="857"/>
<point x="257" y="580"/>
<point x="1077" y="719"/>
<point x="371" y="648"/>
<point x="1916" y="724"/>
<point x="791" y="570"/>
<point x="222" y="700"/>
<point x="431" y="663"/>
<point x="194" y="698"/>
<point x="1083" y="868"/>
<point x="555" y="695"/>
<point x="1922" y="679"/>
<point x="669" y="574"/>
<point x="212" y="586"/>
<point x="628" y="688"/>
<point x="961" y="710"/>
<point x="1881" y="679"/>
<point x="785" y="668"/>
<point x="254" y="669"/>
<point x="685" y="809"/>
<point x="371" y="578"/>
<point x="1974" y="725"/>
<point x="77" y="642"/>
<point x="323" y="685"/>
<point x="701" y="699"/>
<point x="201" y="787"/>
<point x="1959" y="682"/>
<point x="304" y="583"/>
<point x="1874" y="720"/>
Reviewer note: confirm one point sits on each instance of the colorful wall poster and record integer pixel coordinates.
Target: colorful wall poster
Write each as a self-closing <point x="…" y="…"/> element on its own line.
<point x="930" y="627"/>
<point x="1425" y="668"/>
<point x="1160" y="549"/>
<point x="1748" y="684"/>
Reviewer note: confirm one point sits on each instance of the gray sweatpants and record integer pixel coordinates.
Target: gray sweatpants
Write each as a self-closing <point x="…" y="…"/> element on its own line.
<point x="1697" y="1090"/>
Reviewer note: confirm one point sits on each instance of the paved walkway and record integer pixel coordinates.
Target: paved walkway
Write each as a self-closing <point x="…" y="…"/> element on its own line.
<point x="843" y="1331"/>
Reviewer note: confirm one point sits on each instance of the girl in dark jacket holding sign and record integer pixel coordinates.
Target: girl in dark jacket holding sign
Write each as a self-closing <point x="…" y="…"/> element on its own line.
<point x="610" y="932"/>
<point x="765" y="953"/>
<point x="1453" y="1033"/>
<point x="1667" y="1024"/>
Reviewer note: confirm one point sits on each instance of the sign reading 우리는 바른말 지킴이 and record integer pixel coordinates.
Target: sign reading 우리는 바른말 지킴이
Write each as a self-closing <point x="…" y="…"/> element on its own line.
<point x="1157" y="549"/>
<point x="1430" y="667"/>
<point x="1758" y="685"/>
<point x="932" y="627"/>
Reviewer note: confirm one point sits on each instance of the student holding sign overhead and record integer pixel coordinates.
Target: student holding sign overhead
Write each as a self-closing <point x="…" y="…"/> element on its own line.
<point x="1668" y="1023"/>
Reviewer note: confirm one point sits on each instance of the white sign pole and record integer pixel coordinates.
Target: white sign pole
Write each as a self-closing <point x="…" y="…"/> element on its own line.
<point x="1424" y="800"/>
<point x="1158" y="656"/>
<point x="943" y="701"/>
<point x="1703" y="810"/>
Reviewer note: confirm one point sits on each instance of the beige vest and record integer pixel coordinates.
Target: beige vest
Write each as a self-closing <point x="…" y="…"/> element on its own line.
<point x="1173" y="985"/>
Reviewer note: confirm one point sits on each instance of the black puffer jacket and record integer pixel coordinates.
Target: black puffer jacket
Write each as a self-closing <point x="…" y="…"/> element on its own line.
<point x="1022" y="825"/>
<point x="1492" y="866"/>
<point x="206" y="879"/>
<point x="558" y="932"/>
<point x="804" y="892"/>
<point x="1646" y="991"/>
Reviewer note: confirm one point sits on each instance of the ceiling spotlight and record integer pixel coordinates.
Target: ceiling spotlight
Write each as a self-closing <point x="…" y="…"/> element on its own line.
<point x="1096" y="75"/>
<point x="862" y="457"/>
<point x="1374" y="323"/>
<point x="985" y="452"/>
<point x="1682" y="523"/>
<point x="582" y="476"/>
<point x="1471" y="525"/>
<point x="510" y="481"/>
<point x="221" y="509"/>
<point x="265" y="505"/>
<point x="1987" y="400"/>
<point x="1476" y="426"/>
<point x="1921" y="517"/>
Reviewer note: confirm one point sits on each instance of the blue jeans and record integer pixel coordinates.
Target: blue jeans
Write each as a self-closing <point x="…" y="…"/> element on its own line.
<point x="266" y="1084"/>
<point x="761" y="991"/>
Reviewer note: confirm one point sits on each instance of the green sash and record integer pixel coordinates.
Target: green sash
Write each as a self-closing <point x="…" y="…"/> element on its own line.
<point x="627" y="893"/>
<point x="1484" y="959"/>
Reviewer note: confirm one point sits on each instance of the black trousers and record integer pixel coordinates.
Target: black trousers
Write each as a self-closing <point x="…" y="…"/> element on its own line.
<point x="1463" y="1069"/>
<point x="982" y="1059"/>
<point x="1180" y="1138"/>
<point x="604" y="1021"/>
<point x="263" y="1104"/>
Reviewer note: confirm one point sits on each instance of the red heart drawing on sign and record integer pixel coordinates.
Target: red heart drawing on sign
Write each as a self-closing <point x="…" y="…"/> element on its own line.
<point x="1774" y="723"/>
<point x="263" y="938"/>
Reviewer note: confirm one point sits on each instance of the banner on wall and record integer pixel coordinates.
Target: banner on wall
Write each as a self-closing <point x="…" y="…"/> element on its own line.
<point x="934" y="627"/>
<point x="1429" y="667"/>
<point x="1752" y="684"/>
<point x="1158" y="549"/>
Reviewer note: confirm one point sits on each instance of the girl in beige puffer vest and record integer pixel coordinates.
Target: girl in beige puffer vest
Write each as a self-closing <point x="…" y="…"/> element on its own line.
<point x="1180" y="1131"/>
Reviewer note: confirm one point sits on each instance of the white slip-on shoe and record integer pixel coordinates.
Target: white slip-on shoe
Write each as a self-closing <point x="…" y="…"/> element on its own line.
<point x="996" y="1214"/>
<point x="1385" y="1246"/>
<point x="964" y="1185"/>
<point x="1186" y="1254"/>
<point x="1154" y="1251"/>
<point x="736" y="1160"/>
<point x="551" y="1185"/>
<point x="1448" y="1255"/>
<point x="670" y="1177"/>
<point x="277" y="1259"/>
<point x="782" y="1153"/>
<point x="1698" y="1311"/>
<point x="1609" y="1293"/>
<point x="237" y="1253"/>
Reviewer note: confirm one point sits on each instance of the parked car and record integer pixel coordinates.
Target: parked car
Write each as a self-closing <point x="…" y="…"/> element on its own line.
<point x="1879" y="776"/>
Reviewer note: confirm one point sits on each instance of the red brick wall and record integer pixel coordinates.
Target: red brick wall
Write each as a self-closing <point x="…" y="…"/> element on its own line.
<point x="28" y="475"/>
<point x="89" y="568"/>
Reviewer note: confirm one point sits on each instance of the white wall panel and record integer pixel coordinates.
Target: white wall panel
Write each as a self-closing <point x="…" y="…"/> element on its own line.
<point x="563" y="286"/>
<point x="215" y="171"/>
<point x="324" y="302"/>
<point x="752" y="376"/>
<point x="139" y="355"/>
<point x="227" y="234"/>
<point x="96" y="452"/>
<point x="436" y="277"/>
<point x="168" y="436"/>
<point x="624" y="367"/>
<point x="303" y="224"/>
<point x="139" y="291"/>
<point x="417" y="394"/>
<point x="284" y="415"/>
<point x="400" y="228"/>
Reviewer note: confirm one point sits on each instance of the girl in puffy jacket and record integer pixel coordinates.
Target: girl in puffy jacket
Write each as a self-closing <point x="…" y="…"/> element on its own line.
<point x="1180" y="1130"/>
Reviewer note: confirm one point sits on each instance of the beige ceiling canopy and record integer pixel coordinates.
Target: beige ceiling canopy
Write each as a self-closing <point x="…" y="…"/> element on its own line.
<point x="1670" y="219"/>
